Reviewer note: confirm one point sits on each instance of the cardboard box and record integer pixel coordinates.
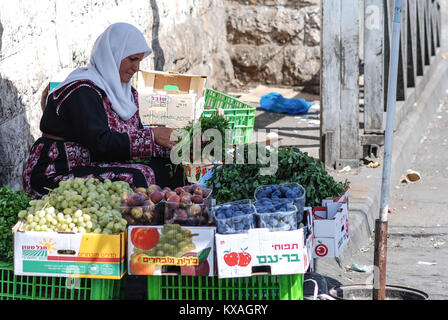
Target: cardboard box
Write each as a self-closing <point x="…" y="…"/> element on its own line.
<point x="261" y="250"/>
<point x="86" y="255"/>
<point x="331" y="229"/>
<point x="310" y="240"/>
<point x="342" y="198"/>
<point x="144" y="257"/>
<point x="169" y="99"/>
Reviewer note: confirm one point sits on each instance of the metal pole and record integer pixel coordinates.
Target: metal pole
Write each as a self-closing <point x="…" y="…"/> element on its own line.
<point x="379" y="279"/>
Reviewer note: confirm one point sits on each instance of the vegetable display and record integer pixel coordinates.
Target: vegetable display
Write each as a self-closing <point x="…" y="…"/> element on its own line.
<point x="11" y="203"/>
<point x="195" y="131"/>
<point x="231" y="182"/>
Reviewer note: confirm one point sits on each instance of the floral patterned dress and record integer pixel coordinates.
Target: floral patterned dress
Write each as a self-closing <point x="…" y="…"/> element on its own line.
<point x="88" y="139"/>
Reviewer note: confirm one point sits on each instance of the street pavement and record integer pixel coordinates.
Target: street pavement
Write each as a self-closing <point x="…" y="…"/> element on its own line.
<point x="417" y="243"/>
<point x="418" y="228"/>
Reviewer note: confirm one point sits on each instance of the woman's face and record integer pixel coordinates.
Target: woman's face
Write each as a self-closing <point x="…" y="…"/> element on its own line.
<point x="129" y="66"/>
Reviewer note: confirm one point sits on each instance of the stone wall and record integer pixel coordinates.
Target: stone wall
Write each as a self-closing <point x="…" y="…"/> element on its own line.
<point x="274" y="42"/>
<point x="233" y="42"/>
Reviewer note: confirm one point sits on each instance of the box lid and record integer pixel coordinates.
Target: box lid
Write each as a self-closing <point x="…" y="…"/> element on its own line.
<point x="171" y="82"/>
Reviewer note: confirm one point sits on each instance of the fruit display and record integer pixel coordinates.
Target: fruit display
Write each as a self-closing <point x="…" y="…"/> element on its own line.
<point x="187" y="205"/>
<point x="78" y="205"/>
<point x="234" y="217"/>
<point x="276" y="214"/>
<point x="143" y="206"/>
<point x="292" y="192"/>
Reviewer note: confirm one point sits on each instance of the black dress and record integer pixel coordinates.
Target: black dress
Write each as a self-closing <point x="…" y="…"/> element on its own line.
<point x="84" y="137"/>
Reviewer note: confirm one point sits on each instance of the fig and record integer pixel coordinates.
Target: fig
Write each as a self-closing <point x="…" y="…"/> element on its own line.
<point x="148" y="205"/>
<point x="180" y="215"/>
<point x="144" y="196"/>
<point x="173" y="201"/>
<point x="148" y="216"/>
<point x="153" y="188"/>
<point x="157" y="196"/>
<point x="185" y="198"/>
<point x="137" y="212"/>
<point x="197" y="189"/>
<point x="135" y="200"/>
<point x="195" y="209"/>
<point x="125" y="197"/>
<point x="197" y="199"/>
<point x="179" y="190"/>
<point x="169" y="194"/>
<point x="141" y="190"/>
<point x="129" y="219"/>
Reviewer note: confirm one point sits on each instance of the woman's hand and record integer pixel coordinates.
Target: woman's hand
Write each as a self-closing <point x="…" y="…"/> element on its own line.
<point x="162" y="136"/>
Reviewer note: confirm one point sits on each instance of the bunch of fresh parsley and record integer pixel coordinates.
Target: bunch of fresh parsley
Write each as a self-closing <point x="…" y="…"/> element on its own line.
<point x="11" y="202"/>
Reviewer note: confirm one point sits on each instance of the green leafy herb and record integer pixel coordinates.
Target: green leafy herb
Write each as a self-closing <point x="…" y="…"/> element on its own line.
<point x="196" y="128"/>
<point x="11" y="202"/>
<point x="232" y="182"/>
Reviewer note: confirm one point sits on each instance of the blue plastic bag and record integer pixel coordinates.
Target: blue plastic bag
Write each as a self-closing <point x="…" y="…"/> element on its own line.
<point x="275" y="102"/>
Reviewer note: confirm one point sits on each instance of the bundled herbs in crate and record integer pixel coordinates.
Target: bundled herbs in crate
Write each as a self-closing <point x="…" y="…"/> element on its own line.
<point x="195" y="135"/>
<point x="196" y="130"/>
<point x="231" y="182"/>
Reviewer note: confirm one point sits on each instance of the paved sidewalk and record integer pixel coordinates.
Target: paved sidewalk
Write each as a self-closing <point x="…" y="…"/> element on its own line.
<point x="365" y="192"/>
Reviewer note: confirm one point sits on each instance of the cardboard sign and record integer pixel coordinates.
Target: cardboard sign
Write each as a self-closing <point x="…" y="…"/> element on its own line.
<point x="86" y="255"/>
<point x="331" y="229"/>
<point x="169" y="99"/>
<point x="261" y="250"/>
<point x="171" y="249"/>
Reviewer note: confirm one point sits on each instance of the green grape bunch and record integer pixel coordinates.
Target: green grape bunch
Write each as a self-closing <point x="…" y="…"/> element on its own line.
<point x="174" y="241"/>
<point x="78" y="205"/>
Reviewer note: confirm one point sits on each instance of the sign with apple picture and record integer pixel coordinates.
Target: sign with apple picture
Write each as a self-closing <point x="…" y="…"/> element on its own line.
<point x="241" y="258"/>
<point x="275" y="252"/>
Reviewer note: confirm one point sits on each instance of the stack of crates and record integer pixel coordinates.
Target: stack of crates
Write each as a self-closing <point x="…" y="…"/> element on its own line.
<point x="14" y="287"/>
<point x="241" y="116"/>
<point x="257" y="287"/>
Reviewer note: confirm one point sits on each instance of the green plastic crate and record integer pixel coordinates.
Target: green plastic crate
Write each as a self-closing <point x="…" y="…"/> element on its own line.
<point x="241" y="116"/>
<point x="14" y="287"/>
<point x="260" y="287"/>
<point x="53" y="85"/>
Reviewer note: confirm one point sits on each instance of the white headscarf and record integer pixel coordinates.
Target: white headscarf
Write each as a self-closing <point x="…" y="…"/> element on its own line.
<point x="117" y="42"/>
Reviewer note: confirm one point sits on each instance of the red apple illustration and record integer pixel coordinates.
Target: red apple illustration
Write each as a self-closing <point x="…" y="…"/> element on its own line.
<point x="244" y="258"/>
<point x="231" y="258"/>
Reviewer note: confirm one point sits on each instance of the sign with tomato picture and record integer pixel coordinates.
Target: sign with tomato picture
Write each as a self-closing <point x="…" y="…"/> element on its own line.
<point x="157" y="250"/>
